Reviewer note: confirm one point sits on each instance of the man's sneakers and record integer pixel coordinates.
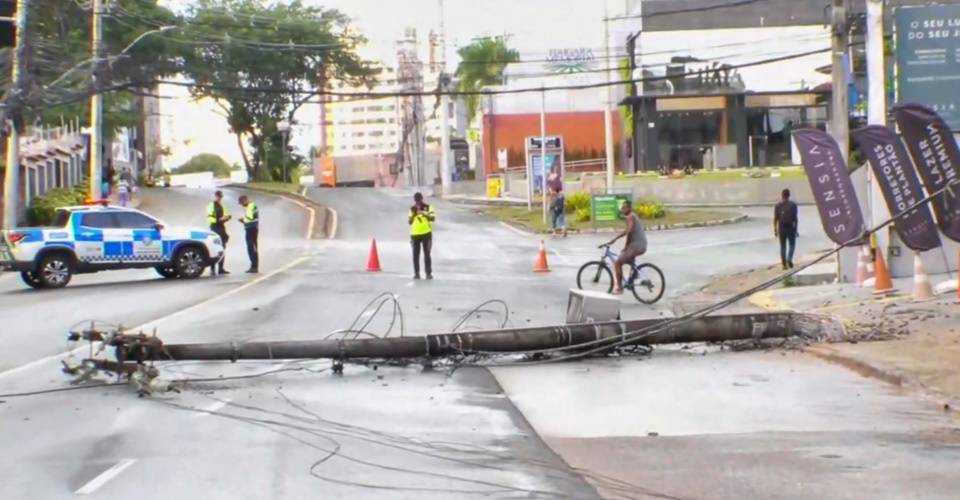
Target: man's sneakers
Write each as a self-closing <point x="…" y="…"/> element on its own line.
<point x="252" y="271"/>
<point x="429" y="276"/>
<point x="417" y="276"/>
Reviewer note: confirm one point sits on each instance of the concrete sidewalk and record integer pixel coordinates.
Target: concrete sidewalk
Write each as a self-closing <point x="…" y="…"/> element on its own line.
<point x="915" y="345"/>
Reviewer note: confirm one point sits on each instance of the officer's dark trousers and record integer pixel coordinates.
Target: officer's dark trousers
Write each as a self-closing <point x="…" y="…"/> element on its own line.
<point x="252" y="251"/>
<point x="424" y="241"/>
<point x="222" y="233"/>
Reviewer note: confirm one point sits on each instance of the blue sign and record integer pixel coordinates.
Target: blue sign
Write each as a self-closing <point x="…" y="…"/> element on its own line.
<point x="928" y="59"/>
<point x="538" y="165"/>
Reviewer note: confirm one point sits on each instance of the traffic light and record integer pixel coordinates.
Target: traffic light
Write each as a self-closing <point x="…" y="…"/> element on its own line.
<point x="8" y="26"/>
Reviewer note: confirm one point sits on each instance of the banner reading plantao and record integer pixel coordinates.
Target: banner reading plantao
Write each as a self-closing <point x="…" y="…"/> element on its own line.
<point x="937" y="158"/>
<point x="830" y="182"/>
<point x="900" y="186"/>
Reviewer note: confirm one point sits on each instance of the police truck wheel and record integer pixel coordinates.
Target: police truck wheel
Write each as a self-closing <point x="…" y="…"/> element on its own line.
<point x="166" y="271"/>
<point x="189" y="263"/>
<point x="31" y="279"/>
<point x="55" y="270"/>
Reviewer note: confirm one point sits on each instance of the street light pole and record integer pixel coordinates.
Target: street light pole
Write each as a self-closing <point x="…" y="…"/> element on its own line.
<point x="11" y="185"/>
<point x="96" y="105"/>
<point x="607" y="113"/>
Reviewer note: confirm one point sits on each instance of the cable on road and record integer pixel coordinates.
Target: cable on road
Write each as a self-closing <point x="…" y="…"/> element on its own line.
<point x="61" y="389"/>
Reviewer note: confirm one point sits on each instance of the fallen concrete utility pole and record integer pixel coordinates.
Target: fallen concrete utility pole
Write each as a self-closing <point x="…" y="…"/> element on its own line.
<point x="134" y="353"/>
<point x="707" y="329"/>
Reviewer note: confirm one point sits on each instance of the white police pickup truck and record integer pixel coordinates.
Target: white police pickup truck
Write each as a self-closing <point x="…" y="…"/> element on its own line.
<point x="89" y="239"/>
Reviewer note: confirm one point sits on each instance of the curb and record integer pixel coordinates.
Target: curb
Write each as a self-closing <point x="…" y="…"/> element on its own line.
<point x="511" y="203"/>
<point x="328" y="225"/>
<point x="653" y="227"/>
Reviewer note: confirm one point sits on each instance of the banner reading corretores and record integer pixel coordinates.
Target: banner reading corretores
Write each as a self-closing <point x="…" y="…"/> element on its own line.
<point x="830" y="182"/>
<point x="937" y="158"/>
<point x="900" y="186"/>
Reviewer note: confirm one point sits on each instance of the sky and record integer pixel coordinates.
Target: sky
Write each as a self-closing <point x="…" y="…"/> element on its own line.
<point x="533" y="27"/>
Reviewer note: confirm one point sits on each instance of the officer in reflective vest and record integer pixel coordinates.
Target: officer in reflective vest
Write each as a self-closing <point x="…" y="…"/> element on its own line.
<point x="251" y="226"/>
<point x="217" y="217"/>
<point x="421" y="219"/>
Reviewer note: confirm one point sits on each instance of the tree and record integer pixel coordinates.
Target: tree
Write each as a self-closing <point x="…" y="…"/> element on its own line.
<point x="481" y="64"/>
<point x="61" y="63"/>
<point x="205" y="162"/>
<point x="260" y="63"/>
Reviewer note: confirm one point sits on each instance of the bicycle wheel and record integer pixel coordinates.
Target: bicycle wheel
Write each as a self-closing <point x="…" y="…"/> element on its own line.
<point x="648" y="283"/>
<point x="595" y="276"/>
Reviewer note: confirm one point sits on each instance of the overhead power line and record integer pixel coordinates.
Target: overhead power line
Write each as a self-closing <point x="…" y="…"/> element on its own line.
<point x="706" y="8"/>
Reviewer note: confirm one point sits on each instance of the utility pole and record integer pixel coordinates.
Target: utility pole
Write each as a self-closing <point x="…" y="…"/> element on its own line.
<point x="876" y="105"/>
<point x="608" y="91"/>
<point x="839" y="123"/>
<point x="11" y="187"/>
<point x="445" y="179"/>
<point x="96" y="104"/>
<point x="543" y="152"/>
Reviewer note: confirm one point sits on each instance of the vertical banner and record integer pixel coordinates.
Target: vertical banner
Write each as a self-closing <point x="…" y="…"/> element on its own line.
<point x="937" y="158"/>
<point x="830" y="182"/>
<point x="900" y="186"/>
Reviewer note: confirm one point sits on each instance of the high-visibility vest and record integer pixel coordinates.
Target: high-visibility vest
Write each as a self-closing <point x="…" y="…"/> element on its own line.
<point x="422" y="223"/>
<point x="251" y="220"/>
<point x="212" y="212"/>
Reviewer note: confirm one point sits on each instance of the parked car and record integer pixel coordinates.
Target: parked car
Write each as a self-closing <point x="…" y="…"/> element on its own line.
<point x="90" y="239"/>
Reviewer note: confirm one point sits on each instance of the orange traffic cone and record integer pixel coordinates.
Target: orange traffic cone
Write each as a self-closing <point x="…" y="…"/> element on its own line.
<point x="540" y="266"/>
<point x="922" y="291"/>
<point x="883" y="285"/>
<point x="864" y="267"/>
<point x="373" y="262"/>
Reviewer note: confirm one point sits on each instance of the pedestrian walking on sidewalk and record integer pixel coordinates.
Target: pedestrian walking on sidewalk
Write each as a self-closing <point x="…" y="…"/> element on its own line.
<point x="251" y="227"/>
<point x="785" y="223"/>
<point x="217" y="217"/>
<point x="421" y="219"/>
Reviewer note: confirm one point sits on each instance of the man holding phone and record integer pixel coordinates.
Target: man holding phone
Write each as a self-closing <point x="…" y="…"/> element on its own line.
<point x="421" y="219"/>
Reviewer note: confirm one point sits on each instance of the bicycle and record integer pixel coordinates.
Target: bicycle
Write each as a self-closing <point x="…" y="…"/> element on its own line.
<point x="646" y="280"/>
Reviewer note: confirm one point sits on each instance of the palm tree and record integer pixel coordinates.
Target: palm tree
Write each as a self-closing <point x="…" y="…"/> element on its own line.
<point x="481" y="64"/>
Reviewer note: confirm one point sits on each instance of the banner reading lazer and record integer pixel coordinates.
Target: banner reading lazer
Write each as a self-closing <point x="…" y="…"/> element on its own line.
<point x="900" y="186"/>
<point x="937" y="158"/>
<point x="830" y="182"/>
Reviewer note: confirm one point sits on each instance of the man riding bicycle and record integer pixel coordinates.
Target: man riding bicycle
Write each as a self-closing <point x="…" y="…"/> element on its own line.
<point x="636" y="244"/>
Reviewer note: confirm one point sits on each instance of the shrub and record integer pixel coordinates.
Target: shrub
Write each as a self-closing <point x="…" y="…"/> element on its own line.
<point x="43" y="208"/>
<point x="582" y="215"/>
<point x="650" y="209"/>
<point x="205" y="162"/>
<point x="578" y="201"/>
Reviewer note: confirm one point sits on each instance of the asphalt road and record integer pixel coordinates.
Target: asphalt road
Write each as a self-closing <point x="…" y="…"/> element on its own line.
<point x="400" y="432"/>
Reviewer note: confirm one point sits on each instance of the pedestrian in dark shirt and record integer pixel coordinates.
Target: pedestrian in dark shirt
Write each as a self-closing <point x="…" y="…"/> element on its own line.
<point x="785" y="222"/>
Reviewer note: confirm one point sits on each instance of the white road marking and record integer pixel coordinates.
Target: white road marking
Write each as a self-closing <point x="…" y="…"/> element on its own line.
<point x="334" y="224"/>
<point x="213" y="408"/>
<point x="311" y="210"/>
<point x="560" y="256"/>
<point x="515" y="230"/>
<point x="153" y="323"/>
<point x="105" y="477"/>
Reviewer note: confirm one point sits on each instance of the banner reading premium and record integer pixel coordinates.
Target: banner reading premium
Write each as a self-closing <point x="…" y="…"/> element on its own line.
<point x="830" y="182"/>
<point x="900" y="186"/>
<point x="935" y="153"/>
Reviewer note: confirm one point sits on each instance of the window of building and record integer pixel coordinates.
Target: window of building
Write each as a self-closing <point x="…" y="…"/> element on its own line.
<point x="374" y="108"/>
<point x="359" y="147"/>
<point x="377" y="120"/>
<point x="358" y="134"/>
<point x="376" y="133"/>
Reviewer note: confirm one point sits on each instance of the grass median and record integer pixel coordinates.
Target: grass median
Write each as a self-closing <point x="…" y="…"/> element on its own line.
<point x="533" y="220"/>
<point x="276" y="187"/>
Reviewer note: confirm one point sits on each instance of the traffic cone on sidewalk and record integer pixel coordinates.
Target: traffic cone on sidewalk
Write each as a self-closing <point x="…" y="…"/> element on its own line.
<point x="373" y="262"/>
<point x="922" y="291"/>
<point x="883" y="285"/>
<point x="864" y="267"/>
<point x="540" y="266"/>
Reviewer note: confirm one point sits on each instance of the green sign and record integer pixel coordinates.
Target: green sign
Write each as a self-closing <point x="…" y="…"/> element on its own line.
<point x="606" y="207"/>
<point x="928" y="58"/>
